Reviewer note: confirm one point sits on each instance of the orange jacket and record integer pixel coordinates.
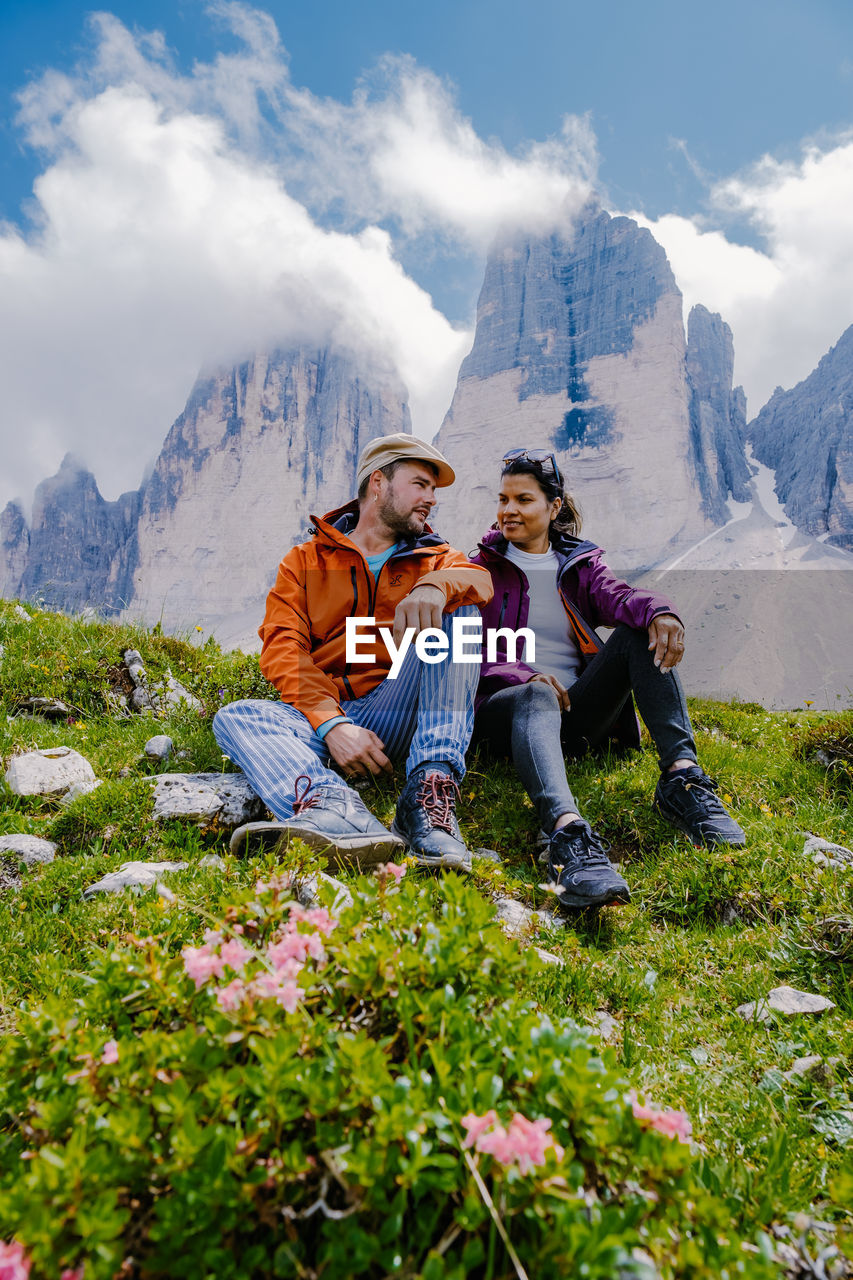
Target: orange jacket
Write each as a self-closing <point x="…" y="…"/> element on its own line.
<point x="324" y="581"/>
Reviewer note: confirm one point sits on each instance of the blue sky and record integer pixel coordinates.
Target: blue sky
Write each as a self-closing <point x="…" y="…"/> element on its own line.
<point x="727" y="126"/>
<point x="731" y="79"/>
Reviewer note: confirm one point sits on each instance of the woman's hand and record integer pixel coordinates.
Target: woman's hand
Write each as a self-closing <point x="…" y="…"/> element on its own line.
<point x="560" y="690"/>
<point x="666" y="637"/>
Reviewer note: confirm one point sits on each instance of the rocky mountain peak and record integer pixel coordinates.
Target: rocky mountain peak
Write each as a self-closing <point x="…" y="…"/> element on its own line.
<point x="806" y="435"/>
<point x="580" y="348"/>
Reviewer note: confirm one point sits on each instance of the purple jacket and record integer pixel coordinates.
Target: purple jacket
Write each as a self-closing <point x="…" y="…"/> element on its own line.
<point x="591" y="596"/>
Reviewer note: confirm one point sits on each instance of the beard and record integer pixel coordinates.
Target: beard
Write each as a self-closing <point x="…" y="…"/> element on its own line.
<point x="400" y="523"/>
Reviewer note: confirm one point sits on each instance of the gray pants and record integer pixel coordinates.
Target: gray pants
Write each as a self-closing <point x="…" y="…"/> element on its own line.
<point x="525" y="721"/>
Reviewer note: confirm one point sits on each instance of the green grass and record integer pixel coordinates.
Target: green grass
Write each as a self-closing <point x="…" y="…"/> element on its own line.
<point x="706" y="931"/>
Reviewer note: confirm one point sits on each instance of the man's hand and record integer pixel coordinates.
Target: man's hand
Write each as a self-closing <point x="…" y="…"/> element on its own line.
<point x="666" y="637"/>
<point x="560" y="690"/>
<point x="357" y="751"/>
<point x="421" y="608"/>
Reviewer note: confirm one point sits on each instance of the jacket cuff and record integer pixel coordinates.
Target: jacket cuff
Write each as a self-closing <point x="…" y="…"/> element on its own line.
<point x="324" y="728"/>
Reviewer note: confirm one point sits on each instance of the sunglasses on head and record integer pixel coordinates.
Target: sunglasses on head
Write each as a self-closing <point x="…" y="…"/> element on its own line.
<point x="539" y="457"/>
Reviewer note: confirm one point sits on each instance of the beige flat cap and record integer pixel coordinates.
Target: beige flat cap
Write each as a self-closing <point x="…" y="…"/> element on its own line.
<point x="384" y="449"/>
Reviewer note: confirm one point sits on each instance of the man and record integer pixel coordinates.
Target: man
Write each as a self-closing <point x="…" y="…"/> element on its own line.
<point x="375" y="558"/>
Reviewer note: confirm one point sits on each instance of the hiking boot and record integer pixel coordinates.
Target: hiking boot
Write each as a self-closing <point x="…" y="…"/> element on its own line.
<point x="426" y="819"/>
<point x="333" y="820"/>
<point x="688" y="799"/>
<point x="581" y="869"/>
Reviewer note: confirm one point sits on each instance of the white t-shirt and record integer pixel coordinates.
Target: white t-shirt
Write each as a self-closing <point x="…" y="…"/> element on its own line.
<point x="557" y="653"/>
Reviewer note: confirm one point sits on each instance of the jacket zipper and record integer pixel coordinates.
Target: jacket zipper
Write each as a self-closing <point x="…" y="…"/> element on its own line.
<point x="503" y="609"/>
<point x="345" y="676"/>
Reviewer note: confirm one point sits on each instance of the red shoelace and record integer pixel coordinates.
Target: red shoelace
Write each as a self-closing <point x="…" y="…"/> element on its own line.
<point x="303" y="801"/>
<point x="437" y="793"/>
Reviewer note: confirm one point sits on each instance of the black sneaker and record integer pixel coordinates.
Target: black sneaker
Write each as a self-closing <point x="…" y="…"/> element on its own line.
<point x="581" y="869"/>
<point x="426" y="819"/>
<point x="333" y="820"/>
<point x="688" y="799"/>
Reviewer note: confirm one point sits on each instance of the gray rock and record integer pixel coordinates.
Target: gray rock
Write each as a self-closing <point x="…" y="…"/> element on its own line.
<point x="517" y="919"/>
<point x="78" y="789"/>
<point x="31" y="850"/>
<point x="806" y="435"/>
<point x="48" y="708"/>
<point x="826" y="854"/>
<point x="213" y="860"/>
<point x="606" y="1025"/>
<point x="177" y="796"/>
<point x="819" y="1070"/>
<point x="307" y="892"/>
<point x="156" y="696"/>
<point x="490" y="855"/>
<point x="226" y="798"/>
<point x="117" y="703"/>
<point x="47" y="772"/>
<point x="787" y="1000"/>
<point x="548" y="957"/>
<point x="132" y="875"/>
<point x="159" y="747"/>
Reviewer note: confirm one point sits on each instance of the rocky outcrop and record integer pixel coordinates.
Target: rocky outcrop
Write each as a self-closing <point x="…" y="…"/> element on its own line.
<point x="580" y="348"/>
<point x="66" y="559"/>
<point x="806" y="435"/>
<point x="717" y="414"/>
<point x="257" y="450"/>
<point x="14" y="549"/>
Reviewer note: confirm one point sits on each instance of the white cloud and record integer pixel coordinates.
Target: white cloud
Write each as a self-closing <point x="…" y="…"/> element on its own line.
<point x="167" y="235"/>
<point x="789" y="301"/>
<point x="410" y="155"/>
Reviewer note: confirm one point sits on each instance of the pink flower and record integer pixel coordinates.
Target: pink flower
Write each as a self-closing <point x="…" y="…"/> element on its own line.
<point x="73" y="1274"/>
<point x="232" y="996"/>
<point x="14" y="1263"/>
<point x="524" y="1143"/>
<point x="530" y="1140"/>
<point x="110" y="1053"/>
<point x="285" y="992"/>
<point x="235" y="954"/>
<point x="392" y="870"/>
<point x="293" y="946"/>
<point x="212" y="937"/>
<point x="673" y="1124"/>
<point x="477" y="1125"/>
<point x="201" y="963"/>
<point x="319" y="917"/>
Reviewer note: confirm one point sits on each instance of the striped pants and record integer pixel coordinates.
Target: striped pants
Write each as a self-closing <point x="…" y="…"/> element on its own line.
<point x="426" y="714"/>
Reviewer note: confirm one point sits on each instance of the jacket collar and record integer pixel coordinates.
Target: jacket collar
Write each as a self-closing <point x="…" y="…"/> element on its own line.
<point x="569" y="549"/>
<point x="337" y="525"/>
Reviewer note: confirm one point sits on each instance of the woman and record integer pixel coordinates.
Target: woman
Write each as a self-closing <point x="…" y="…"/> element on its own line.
<point x="577" y="690"/>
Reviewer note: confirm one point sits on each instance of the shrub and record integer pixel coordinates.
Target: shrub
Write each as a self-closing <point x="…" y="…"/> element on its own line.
<point x="369" y="1096"/>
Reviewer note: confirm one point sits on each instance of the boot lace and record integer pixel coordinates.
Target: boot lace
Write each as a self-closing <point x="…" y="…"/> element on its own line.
<point x="707" y="796"/>
<point x="304" y="801"/>
<point x="585" y="846"/>
<point x="437" y="795"/>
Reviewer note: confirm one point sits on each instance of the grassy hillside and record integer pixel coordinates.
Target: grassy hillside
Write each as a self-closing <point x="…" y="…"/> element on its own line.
<point x="328" y="1139"/>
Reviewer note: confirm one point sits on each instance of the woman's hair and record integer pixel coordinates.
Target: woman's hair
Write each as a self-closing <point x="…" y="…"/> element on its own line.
<point x="568" y="519"/>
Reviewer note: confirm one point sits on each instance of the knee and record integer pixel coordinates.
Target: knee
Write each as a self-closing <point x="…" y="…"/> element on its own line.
<point x="536" y="698"/>
<point x="228" y="716"/>
<point x="464" y="611"/>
